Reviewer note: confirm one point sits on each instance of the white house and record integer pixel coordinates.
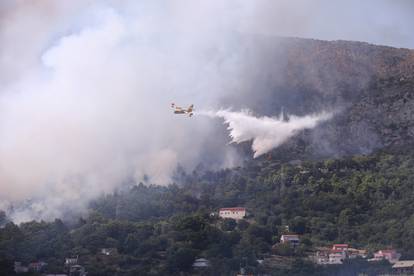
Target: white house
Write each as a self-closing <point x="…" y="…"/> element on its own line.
<point x="291" y="239"/>
<point x="233" y="213"/>
<point x="201" y="262"/>
<point x="340" y="247"/>
<point x="404" y="267"/>
<point x="71" y="261"/>
<point x="337" y="257"/>
<point x="337" y="254"/>
<point x="322" y="257"/>
<point x="329" y="257"/>
<point x="390" y="255"/>
<point x="108" y="251"/>
<point x="354" y="253"/>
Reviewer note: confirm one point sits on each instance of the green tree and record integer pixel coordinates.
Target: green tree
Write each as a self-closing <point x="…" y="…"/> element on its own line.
<point x="228" y="224"/>
<point x="180" y="259"/>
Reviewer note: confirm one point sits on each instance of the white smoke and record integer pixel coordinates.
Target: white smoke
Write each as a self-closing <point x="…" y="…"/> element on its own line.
<point x="85" y="89"/>
<point x="266" y="133"/>
<point x="97" y="113"/>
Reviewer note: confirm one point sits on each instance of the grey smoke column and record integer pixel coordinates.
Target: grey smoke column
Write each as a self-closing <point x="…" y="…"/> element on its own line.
<point x="85" y="87"/>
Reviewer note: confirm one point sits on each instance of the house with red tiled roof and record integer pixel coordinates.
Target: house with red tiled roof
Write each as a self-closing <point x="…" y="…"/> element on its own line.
<point x="390" y="255"/>
<point x="233" y="213"/>
<point x="340" y="247"/>
<point x="337" y="254"/>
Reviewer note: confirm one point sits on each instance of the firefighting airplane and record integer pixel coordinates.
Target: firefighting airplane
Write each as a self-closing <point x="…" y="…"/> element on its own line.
<point x="180" y="110"/>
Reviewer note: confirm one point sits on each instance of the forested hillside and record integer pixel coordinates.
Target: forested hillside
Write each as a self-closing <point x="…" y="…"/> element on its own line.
<point x="350" y="181"/>
<point x="366" y="201"/>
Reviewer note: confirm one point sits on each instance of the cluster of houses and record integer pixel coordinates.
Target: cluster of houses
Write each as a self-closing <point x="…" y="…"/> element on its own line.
<point x="340" y="252"/>
<point x="334" y="255"/>
<point x="71" y="266"/>
<point x="337" y="254"/>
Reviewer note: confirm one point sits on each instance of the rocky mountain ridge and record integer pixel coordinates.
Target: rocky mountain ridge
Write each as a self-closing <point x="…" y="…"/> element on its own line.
<point x="370" y="89"/>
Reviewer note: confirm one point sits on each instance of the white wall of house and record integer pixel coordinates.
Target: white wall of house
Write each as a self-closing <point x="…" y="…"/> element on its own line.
<point x="292" y="239"/>
<point x="336" y="258"/>
<point x="322" y="260"/>
<point x="233" y="214"/>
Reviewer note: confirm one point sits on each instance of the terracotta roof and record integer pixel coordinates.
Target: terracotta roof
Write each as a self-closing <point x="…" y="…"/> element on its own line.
<point x="233" y="209"/>
<point x="340" y="245"/>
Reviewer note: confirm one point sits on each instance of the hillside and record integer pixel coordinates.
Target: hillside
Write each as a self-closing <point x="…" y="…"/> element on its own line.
<point x="370" y="89"/>
<point x="366" y="201"/>
<point x="350" y="180"/>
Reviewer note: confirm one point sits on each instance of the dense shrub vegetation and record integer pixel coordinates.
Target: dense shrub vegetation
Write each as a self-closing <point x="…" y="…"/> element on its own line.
<point x="366" y="201"/>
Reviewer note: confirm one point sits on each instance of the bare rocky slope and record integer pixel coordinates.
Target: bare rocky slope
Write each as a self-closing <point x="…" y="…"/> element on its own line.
<point x="370" y="88"/>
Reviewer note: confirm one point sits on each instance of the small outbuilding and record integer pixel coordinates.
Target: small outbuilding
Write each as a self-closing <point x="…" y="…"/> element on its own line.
<point x="201" y="263"/>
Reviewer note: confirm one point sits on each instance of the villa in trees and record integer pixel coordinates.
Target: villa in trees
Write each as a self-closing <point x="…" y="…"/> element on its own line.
<point x="291" y="239"/>
<point x="337" y="254"/>
<point x="390" y="255"/>
<point x="233" y="213"/>
<point x="340" y="247"/>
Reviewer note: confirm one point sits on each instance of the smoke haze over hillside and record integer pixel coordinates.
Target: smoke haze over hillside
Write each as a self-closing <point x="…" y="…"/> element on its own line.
<point x="85" y="87"/>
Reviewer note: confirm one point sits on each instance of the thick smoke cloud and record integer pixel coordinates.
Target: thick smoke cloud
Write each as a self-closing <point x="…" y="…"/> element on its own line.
<point x="85" y="89"/>
<point x="96" y="112"/>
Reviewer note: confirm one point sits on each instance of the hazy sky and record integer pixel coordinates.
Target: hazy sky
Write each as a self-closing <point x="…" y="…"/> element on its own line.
<point x="386" y="22"/>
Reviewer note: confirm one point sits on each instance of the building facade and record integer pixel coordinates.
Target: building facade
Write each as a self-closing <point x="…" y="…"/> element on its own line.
<point x="404" y="267"/>
<point x="233" y="213"/>
<point x="291" y="239"/>
<point x="390" y="255"/>
<point x="337" y="257"/>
